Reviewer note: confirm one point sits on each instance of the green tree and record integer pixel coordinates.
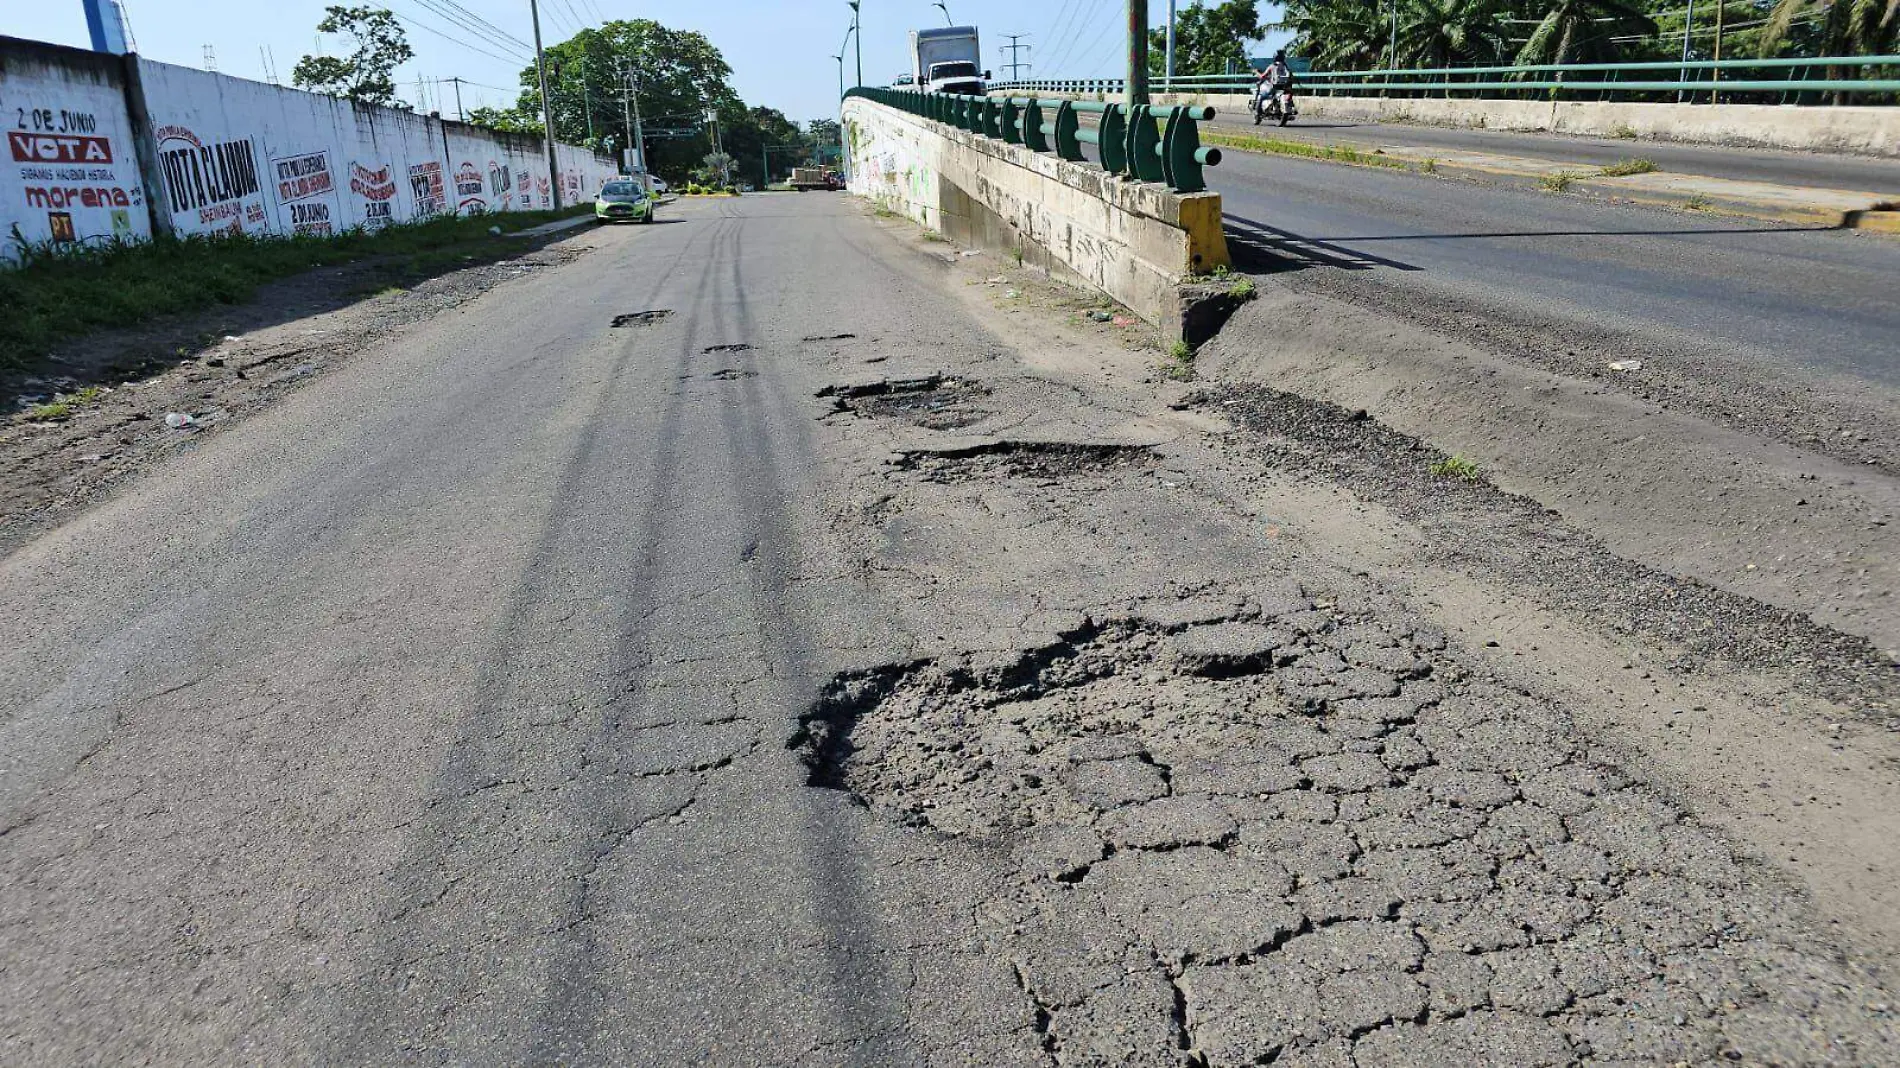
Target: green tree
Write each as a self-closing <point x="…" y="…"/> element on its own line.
<point x="1834" y="27"/>
<point x="366" y="74"/>
<point x="1450" y="33"/>
<point x="1582" y="31"/>
<point x="679" y="74"/>
<point x="1208" y="40"/>
<point x="1337" y="34"/>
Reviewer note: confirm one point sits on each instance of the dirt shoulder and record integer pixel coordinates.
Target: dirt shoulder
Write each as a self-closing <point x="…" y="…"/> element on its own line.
<point x="141" y="394"/>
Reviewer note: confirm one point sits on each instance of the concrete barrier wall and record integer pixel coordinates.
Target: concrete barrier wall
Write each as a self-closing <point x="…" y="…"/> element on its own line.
<point x="1135" y="241"/>
<point x="106" y="146"/>
<point x="72" y="167"/>
<point x="1867" y="131"/>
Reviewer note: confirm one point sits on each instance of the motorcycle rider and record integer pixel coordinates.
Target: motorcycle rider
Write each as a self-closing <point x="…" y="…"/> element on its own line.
<point x="1277" y="78"/>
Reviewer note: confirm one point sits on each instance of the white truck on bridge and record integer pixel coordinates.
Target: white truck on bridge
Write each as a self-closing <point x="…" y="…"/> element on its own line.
<point x="947" y="59"/>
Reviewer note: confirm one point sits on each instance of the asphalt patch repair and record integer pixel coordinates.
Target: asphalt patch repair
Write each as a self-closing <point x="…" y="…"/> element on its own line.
<point x="1246" y="827"/>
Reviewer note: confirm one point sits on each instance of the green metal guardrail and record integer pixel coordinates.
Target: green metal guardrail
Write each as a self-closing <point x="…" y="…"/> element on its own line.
<point x="1446" y="80"/>
<point x="1147" y="143"/>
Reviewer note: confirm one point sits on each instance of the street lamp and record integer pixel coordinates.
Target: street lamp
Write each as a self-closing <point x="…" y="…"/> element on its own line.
<point x="858" y="28"/>
<point x="947" y="20"/>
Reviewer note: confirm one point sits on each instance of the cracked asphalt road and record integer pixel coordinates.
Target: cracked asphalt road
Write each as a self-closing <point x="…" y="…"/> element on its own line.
<point x="828" y="671"/>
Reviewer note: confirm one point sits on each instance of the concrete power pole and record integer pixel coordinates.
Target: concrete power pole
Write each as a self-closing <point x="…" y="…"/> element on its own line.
<point x="547" y="111"/>
<point x="636" y="136"/>
<point x="460" y="115"/>
<point x="1137" y="52"/>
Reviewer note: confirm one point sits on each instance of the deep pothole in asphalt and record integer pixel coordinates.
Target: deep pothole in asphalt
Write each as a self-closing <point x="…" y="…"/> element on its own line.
<point x="1287" y="828"/>
<point x="934" y="402"/>
<point x="1035" y="460"/>
<point x="644" y="318"/>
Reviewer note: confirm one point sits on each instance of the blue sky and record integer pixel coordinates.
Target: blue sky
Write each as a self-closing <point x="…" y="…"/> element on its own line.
<point x="780" y="52"/>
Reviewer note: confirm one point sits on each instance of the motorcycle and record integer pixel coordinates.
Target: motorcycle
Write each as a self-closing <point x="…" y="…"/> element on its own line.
<point x="1277" y="104"/>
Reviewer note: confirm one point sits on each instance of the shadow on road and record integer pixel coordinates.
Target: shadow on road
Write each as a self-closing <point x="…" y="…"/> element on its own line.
<point x="1264" y="249"/>
<point x="1589" y="233"/>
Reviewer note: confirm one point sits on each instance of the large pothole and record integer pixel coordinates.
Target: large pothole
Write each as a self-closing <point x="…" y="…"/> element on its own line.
<point x="934" y="402"/>
<point x="1051" y="460"/>
<point x="1261" y="829"/>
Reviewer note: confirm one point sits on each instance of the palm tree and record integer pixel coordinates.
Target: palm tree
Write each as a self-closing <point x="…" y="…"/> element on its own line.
<point x="1450" y="33"/>
<point x="1843" y="28"/>
<point x="1580" y="31"/>
<point x="1337" y="34"/>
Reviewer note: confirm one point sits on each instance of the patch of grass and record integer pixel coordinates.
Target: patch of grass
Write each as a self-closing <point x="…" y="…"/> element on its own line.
<point x="62" y="292"/>
<point x="935" y="238"/>
<point x="1018" y="252"/>
<point x="1697" y="202"/>
<point x="1220" y="270"/>
<point x="1624" y="167"/>
<point x="1624" y="132"/>
<point x="883" y="212"/>
<point x="1430" y="166"/>
<point x="1456" y="467"/>
<point x="62" y="406"/>
<point x="1281" y="147"/>
<point x="1243" y="289"/>
<point x="1180" y="366"/>
<point x="1559" y="182"/>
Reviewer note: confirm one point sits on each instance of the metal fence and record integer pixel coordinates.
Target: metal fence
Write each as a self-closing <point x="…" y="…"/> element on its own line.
<point x="1146" y="143"/>
<point x="1800" y="81"/>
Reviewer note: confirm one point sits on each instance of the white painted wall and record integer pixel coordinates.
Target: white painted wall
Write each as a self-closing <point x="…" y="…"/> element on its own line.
<point x="71" y="168"/>
<point x="238" y="155"/>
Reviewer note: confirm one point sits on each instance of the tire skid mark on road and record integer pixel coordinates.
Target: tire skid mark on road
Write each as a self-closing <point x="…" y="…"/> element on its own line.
<point x="483" y="756"/>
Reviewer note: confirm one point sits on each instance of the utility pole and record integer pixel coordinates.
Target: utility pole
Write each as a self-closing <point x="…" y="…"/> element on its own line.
<point x="858" y="28"/>
<point x="1137" y="52"/>
<point x="1170" y="59"/>
<point x="547" y="112"/>
<point x="1392" y="55"/>
<point x="630" y="98"/>
<point x="460" y="115"/>
<point x="1688" y="35"/>
<point x="587" y="102"/>
<point x="1715" y="73"/>
<point x="1012" y="48"/>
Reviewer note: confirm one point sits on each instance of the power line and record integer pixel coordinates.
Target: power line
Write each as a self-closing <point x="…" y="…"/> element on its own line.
<point x="1063" y="30"/>
<point x="481" y="27"/>
<point x="456" y="40"/>
<point x="1088" y="52"/>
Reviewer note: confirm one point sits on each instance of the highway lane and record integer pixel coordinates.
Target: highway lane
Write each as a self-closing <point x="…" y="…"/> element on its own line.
<point x="1742" y="164"/>
<point x="1794" y="300"/>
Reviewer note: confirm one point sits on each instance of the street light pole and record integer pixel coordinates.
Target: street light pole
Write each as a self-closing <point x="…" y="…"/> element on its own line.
<point x="947" y="20"/>
<point x="1137" y="52"/>
<point x="547" y="112"/>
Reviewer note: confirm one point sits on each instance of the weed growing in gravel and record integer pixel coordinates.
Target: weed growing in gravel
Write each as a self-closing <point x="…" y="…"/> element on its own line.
<point x="1018" y="250"/>
<point x="1558" y="182"/>
<point x="59" y="292"/>
<point x="1697" y="203"/>
<point x="1430" y="166"/>
<point x="1624" y="167"/>
<point x="934" y="238"/>
<point x="1624" y="132"/>
<point x="1456" y="467"/>
<point x="1335" y="153"/>
<point x="1180" y="361"/>
<point x="1242" y="289"/>
<point x="63" y="406"/>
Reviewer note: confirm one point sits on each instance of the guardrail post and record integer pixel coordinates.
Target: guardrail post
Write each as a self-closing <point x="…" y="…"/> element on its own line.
<point x="1067" y="122"/>
<point x="1032" y="127"/>
<point x="1012" y="121"/>
<point x="1112" y="140"/>
<point x="1144" y="145"/>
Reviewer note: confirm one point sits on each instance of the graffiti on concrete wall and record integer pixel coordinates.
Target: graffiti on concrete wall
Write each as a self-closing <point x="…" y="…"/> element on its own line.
<point x="71" y="172"/>
<point x="375" y="192"/>
<point x="210" y="185"/>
